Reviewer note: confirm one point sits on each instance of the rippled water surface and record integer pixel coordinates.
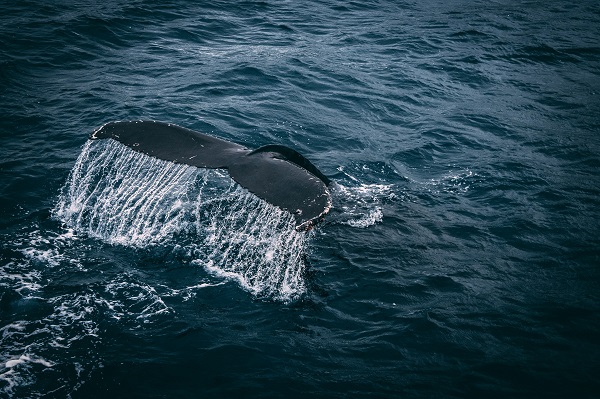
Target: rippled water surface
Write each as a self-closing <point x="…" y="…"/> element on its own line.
<point x="461" y="255"/>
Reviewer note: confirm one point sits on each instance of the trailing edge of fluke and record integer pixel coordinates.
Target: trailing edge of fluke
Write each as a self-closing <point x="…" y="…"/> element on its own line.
<point x="274" y="173"/>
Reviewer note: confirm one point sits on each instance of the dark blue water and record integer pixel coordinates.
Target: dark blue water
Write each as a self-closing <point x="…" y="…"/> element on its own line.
<point x="460" y="259"/>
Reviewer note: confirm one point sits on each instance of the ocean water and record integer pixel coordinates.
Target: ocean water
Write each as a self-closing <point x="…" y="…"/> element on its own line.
<point x="461" y="257"/>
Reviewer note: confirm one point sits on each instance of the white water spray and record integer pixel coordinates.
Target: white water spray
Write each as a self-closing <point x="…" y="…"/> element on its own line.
<point x="124" y="197"/>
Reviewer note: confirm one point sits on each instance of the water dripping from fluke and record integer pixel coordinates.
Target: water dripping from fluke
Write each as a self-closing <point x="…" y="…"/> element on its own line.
<point x="128" y="198"/>
<point x="275" y="173"/>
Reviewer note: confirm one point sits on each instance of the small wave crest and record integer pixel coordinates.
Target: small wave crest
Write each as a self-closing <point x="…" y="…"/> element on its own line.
<point x="452" y="182"/>
<point x="71" y="324"/>
<point x="356" y="201"/>
<point x="12" y="376"/>
<point x="361" y="205"/>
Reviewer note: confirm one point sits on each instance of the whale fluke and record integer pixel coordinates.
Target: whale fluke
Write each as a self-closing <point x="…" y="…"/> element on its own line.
<point x="275" y="173"/>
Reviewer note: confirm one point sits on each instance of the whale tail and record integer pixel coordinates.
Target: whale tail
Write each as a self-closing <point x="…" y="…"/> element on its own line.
<point x="274" y="173"/>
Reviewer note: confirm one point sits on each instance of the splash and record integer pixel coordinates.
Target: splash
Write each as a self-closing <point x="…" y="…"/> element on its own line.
<point x="261" y="250"/>
<point x="361" y="205"/>
<point x="358" y="203"/>
<point x="123" y="197"/>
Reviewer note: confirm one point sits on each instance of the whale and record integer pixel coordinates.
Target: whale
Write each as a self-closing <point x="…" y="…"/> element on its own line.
<point x="275" y="173"/>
